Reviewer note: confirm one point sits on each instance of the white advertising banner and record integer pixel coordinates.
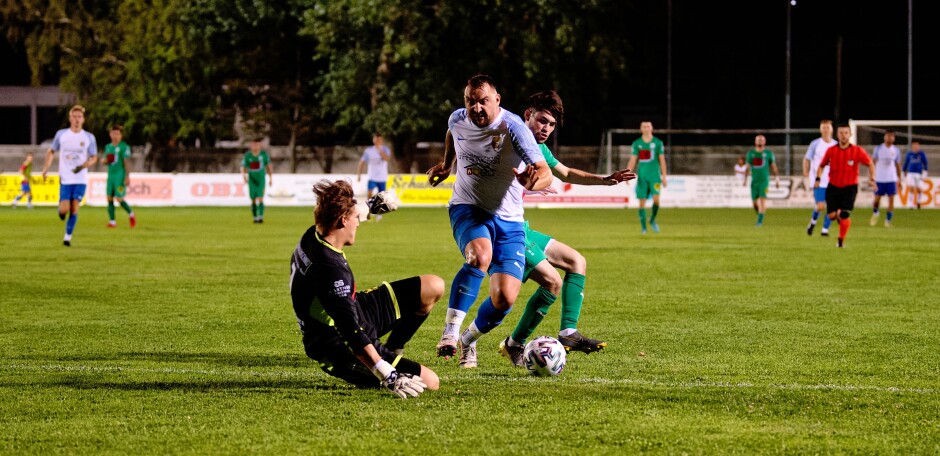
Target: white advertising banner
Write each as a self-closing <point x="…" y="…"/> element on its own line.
<point x="412" y="190"/>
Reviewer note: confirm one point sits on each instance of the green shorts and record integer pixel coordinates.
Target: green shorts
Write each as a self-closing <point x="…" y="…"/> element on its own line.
<point x="646" y="188"/>
<point x="116" y="188"/>
<point x="255" y="188"/>
<point x="759" y="189"/>
<point x="535" y="245"/>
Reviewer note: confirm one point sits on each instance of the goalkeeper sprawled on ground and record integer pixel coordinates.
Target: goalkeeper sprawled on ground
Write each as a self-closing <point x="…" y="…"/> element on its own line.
<point x="341" y="327"/>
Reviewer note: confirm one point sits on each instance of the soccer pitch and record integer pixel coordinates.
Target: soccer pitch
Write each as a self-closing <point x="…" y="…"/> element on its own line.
<point x="178" y="336"/>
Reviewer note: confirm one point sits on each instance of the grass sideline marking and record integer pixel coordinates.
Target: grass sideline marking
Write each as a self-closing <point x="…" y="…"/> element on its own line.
<point x="591" y="380"/>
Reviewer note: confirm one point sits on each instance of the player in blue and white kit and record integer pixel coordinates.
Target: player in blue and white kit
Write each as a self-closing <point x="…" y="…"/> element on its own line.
<point x="486" y="212"/>
<point x="376" y="158"/>
<point x="78" y="151"/>
<point x="887" y="158"/>
<point x="915" y="170"/>
<point x="814" y="154"/>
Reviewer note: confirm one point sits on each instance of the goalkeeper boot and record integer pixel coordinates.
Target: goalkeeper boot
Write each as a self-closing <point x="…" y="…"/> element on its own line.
<point x="468" y="356"/>
<point x="447" y="346"/>
<point x="512" y="352"/>
<point x="578" y="342"/>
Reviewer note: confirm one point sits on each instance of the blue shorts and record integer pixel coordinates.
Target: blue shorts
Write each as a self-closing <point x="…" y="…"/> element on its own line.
<point x="819" y="194"/>
<point x="24" y="186"/>
<point x="470" y="222"/>
<point x="886" y="188"/>
<point x="71" y="192"/>
<point x="377" y="184"/>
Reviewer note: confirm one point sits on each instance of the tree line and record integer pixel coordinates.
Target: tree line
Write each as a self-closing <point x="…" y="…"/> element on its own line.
<point x="316" y="71"/>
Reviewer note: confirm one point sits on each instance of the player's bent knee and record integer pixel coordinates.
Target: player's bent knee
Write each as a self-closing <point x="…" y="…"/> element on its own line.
<point x="844" y="214"/>
<point x="430" y="378"/>
<point x="432" y="290"/>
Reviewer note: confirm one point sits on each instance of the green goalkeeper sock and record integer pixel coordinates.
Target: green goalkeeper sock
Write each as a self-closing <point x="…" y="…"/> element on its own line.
<point x="110" y="210"/>
<point x="643" y="218"/>
<point x="655" y="211"/>
<point x="254" y="209"/>
<point x="127" y="207"/>
<point x="533" y="314"/>
<point x="261" y="210"/>
<point x="572" y="297"/>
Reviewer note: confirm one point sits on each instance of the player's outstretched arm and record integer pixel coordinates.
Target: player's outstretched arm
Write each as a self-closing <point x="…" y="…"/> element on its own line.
<point x="581" y="177"/>
<point x="400" y="384"/>
<point x="439" y="172"/>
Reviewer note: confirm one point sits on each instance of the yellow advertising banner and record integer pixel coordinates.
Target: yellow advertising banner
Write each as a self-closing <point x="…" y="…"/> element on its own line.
<point x="45" y="192"/>
<point x="414" y="189"/>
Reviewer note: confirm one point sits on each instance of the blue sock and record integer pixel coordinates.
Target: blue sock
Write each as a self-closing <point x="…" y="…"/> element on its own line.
<point x="70" y="224"/>
<point x="465" y="288"/>
<point x="815" y="216"/>
<point x="890" y="215"/>
<point x="826" y="222"/>
<point x="489" y="317"/>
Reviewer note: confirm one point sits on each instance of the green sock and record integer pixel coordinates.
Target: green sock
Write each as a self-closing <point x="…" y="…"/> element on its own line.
<point x="572" y="297"/>
<point x="110" y="210"/>
<point x="127" y="207"/>
<point x="643" y="218"/>
<point x="254" y="209"/>
<point x="261" y="210"/>
<point x="760" y="218"/>
<point x="533" y="314"/>
<point x="655" y="210"/>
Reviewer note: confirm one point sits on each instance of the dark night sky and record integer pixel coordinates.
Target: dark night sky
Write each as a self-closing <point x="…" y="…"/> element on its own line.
<point x="729" y="63"/>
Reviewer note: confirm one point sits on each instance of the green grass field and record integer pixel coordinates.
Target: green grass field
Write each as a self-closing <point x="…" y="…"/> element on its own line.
<point x="178" y="337"/>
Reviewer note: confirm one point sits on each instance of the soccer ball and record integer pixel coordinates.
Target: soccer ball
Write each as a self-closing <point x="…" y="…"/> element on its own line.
<point x="544" y="356"/>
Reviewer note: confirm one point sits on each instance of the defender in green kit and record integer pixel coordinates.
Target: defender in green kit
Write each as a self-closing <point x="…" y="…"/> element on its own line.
<point x="648" y="150"/>
<point x="116" y="154"/>
<point x="254" y="165"/>
<point x="760" y="162"/>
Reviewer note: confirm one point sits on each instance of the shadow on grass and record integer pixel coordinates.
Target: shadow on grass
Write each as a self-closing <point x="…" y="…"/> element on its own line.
<point x="202" y="359"/>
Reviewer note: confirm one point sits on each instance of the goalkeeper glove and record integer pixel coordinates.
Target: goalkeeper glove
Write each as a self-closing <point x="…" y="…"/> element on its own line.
<point x="381" y="204"/>
<point x="77" y="169"/>
<point x="400" y="384"/>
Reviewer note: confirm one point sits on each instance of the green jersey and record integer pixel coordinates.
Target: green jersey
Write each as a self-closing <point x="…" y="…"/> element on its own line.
<point x="760" y="165"/>
<point x="114" y="156"/>
<point x="255" y="165"/>
<point x="648" y="154"/>
<point x="550" y="159"/>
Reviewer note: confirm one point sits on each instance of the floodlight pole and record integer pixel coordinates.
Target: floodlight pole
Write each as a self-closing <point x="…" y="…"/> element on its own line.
<point x="910" y="69"/>
<point x="790" y="4"/>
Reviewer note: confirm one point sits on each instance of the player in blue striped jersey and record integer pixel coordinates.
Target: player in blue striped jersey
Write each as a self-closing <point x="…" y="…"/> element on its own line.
<point x="77" y="152"/>
<point x="489" y="143"/>
<point x="814" y="154"/>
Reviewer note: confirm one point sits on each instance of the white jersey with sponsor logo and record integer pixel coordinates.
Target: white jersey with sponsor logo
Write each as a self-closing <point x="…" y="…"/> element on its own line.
<point x="886" y="160"/>
<point x="817" y="149"/>
<point x="485" y="161"/>
<point x="378" y="166"/>
<point x="74" y="150"/>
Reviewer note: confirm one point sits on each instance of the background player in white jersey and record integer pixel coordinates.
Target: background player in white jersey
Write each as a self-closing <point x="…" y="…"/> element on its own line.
<point x="740" y="170"/>
<point x="915" y="170"/>
<point x="486" y="214"/>
<point x="887" y="158"/>
<point x="78" y="151"/>
<point x="376" y="159"/>
<point x="814" y="154"/>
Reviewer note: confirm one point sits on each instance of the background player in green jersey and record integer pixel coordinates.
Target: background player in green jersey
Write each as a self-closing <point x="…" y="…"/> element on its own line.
<point x="116" y="154"/>
<point x="650" y="173"/>
<point x="26" y="169"/>
<point x="254" y="165"/>
<point x="760" y="162"/>
<point x="544" y="254"/>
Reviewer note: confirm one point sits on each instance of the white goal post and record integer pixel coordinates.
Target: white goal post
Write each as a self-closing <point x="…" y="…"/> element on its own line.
<point x="896" y="125"/>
